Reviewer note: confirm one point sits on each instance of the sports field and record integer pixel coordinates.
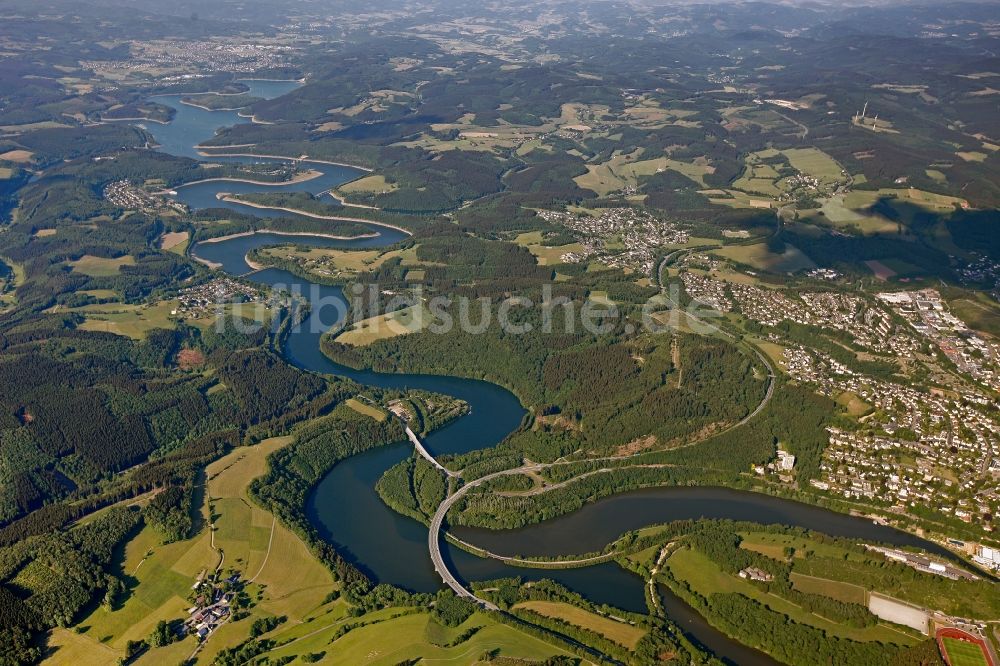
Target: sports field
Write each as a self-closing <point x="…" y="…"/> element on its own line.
<point x="963" y="653"/>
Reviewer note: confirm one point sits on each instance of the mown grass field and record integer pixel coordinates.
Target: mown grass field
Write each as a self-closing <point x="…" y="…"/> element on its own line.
<point x="953" y="597"/>
<point x="773" y="545"/>
<point x="853" y="404"/>
<point x="22" y="156"/>
<point x="136" y="321"/>
<point x="835" y="589"/>
<point x="773" y="351"/>
<point x="620" y="632"/>
<point x="100" y="266"/>
<point x="290" y="582"/>
<point x="863" y="199"/>
<point x="737" y="199"/>
<point x="366" y="409"/>
<point x="9" y="284"/>
<point x="838" y="214"/>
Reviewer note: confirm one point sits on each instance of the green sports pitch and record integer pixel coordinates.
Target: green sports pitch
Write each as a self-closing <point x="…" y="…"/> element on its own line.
<point x="963" y="653"/>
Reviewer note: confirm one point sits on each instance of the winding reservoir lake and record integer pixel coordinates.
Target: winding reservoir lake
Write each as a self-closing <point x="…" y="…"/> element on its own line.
<point x="345" y="507"/>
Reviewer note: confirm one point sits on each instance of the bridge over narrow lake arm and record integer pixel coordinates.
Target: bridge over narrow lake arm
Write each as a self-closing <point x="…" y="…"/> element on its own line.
<point x="425" y="454"/>
<point x="434" y="535"/>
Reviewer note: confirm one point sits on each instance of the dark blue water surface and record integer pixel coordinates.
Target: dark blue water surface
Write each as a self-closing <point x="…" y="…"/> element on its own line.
<point x="345" y="507"/>
<point x="192" y="125"/>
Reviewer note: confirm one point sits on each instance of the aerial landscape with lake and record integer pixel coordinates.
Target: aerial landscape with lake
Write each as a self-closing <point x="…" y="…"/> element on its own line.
<point x="546" y="332"/>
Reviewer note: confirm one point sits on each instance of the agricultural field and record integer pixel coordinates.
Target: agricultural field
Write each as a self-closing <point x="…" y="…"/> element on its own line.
<point x="383" y="327"/>
<point x="859" y="200"/>
<point x="546" y="254"/>
<point x="622" y="633"/>
<point x="395" y="636"/>
<point x="175" y="241"/>
<point x="20" y="156"/>
<point x="739" y="118"/>
<point x="623" y="172"/>
<point x="100" y="266"/>
<point x="618" y="173"/>
<point x="494" y="139"/>
<point x="737" y="199"/>
<point x="836" y="213"/>
<point x="134" y="321"/>
<point x="289" y="580"/>
<point x="979" y="312"/>
<point x="340" y="263"/>
<point x="760" y="257"/>
<point x="374" y="184"/>
<point x="137" y="320"/>
<point x="706" y="578"/>
<point x="650" y="114"/>
<point x="814" y="162"/>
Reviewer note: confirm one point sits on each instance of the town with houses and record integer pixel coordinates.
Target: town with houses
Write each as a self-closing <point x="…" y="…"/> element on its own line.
<point x="128" y="196"/>
<point x="205" y="300"/>
<point x="619" y="237"/>
<point x="914" y="451"/>
<point x="929" y="316"/>
<point x="869" y="324"/>
<point x="221" y="55"/>
<point x="917" y="452"/>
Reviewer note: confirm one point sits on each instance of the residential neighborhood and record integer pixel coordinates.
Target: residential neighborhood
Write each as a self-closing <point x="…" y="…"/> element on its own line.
<point x="619" y="237"/>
